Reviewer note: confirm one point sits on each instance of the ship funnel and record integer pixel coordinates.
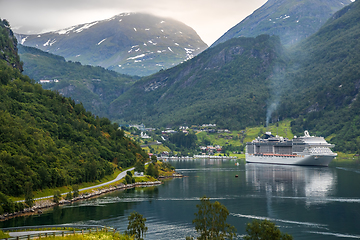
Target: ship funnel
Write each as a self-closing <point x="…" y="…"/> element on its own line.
<point x="306" y="133"/>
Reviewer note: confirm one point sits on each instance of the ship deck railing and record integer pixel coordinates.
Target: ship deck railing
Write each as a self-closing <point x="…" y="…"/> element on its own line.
<point x="275" y="155"/>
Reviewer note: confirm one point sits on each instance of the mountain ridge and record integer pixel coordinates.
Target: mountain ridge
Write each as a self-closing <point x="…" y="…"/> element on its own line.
<point x="129" y="43"/>
<point x="291" y="20"/>
<point x="316" y="83"/>
<point x="93" y="86"/>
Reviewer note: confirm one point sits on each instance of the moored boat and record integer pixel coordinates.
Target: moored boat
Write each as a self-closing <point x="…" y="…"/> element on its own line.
<point x="305" y="150"/>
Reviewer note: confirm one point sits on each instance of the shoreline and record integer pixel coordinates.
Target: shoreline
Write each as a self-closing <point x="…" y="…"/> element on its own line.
<point x="48" y="203"/>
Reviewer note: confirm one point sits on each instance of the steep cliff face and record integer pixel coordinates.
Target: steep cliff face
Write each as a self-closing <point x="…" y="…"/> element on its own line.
<point x="291" y="20"/>
<point x="130" y="43"/>
<point x="8" y="45"/>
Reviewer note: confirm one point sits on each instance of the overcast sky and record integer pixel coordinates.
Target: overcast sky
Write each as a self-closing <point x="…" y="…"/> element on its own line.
<point x="209" y="18"/>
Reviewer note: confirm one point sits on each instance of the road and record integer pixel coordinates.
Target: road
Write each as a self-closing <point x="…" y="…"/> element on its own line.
<point x="119" y="177"/>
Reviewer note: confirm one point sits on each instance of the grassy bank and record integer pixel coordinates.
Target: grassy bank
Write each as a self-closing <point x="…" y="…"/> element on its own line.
<point x="3" y="235"/>
<point x="163" y="171"/>
<point x="65" y="189"/>
<point x="346" y="159"/>
<point x="50" y="191"/>
<point x="87" y="236"/>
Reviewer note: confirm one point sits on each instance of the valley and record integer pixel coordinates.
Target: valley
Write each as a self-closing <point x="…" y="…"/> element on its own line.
<point x="74" y="104"/>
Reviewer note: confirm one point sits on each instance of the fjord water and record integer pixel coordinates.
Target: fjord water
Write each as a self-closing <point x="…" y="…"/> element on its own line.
<point x="306" y="202"/>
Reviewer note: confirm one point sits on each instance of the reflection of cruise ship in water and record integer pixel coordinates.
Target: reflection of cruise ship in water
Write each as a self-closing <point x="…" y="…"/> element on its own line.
<point x="306" y="150"/>
<point x="304" y="182"/>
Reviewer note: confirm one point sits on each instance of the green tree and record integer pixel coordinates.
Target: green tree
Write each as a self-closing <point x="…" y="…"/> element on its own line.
<point x="265" y="229"/>
<point x="75" y="191"/>
<point x="150" y="170"/>
<point x="128" y="179"/>
<point x="136" y="225"/>
<point x="69" y="196"/>
<point x="210" y="221"/>
<point x="139" y="167"/>
<point x="29" y="196"/>
<point x="153" y="159"/>
<point x="6" y="205"/>
<point x="156" y="171"/>
<point x="57" y="196"/>
<point x="19" y="206"/>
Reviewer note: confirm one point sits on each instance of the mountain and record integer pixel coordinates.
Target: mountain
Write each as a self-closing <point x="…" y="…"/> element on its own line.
<point x="292" y="20"/>
<point x="130" y="43"/>
<point x="94" y="87"/>
<point x="255" y="81"/>
<point x="48" y="141"/>
<point x="227" y="85"/>
<point x="325" y="76"/>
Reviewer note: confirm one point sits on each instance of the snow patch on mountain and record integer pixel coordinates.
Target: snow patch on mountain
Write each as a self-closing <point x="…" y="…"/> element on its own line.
<point x="147" y="42"/>
<point x="124" y="14"/>
<point x="153" y="43"/>
<point x="49" y="42"/>
<point x="136" y="57"/>
<point x="101" y="41"/>
<point x="189" y="53"/>
<point x="86" y="26"/>
<point x="23" y="40"/>
<point x="65" y="31"/>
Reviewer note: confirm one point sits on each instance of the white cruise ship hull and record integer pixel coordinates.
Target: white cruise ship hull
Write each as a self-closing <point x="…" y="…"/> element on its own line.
<point x="304" y="160"/>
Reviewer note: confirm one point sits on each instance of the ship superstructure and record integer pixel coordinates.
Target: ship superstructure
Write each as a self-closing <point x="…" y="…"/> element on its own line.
<point x="304" y="150"/>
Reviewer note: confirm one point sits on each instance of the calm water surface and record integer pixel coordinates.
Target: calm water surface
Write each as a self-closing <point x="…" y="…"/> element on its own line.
<point x="306" y="202"/>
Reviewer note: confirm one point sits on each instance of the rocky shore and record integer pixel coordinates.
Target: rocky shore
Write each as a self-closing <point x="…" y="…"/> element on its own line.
<point x="48" y="203"/>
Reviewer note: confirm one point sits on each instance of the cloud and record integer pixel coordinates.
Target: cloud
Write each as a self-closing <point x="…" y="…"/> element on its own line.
<point x="209" y="18"/>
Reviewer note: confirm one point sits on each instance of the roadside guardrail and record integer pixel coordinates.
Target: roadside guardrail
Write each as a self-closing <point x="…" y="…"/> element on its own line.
<point x="32" y="232"/>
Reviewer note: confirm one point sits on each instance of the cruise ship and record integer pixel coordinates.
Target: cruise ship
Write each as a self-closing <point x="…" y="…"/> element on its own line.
<point x="305" y="150"/>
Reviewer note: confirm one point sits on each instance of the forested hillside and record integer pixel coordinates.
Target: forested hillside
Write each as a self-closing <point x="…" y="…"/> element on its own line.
<point x="229" y="84"/>
<point x="94" y="87"/>
<point x="326" y="76"/>
<point x="252" y="81"/>
<point x="46" y="140"/>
